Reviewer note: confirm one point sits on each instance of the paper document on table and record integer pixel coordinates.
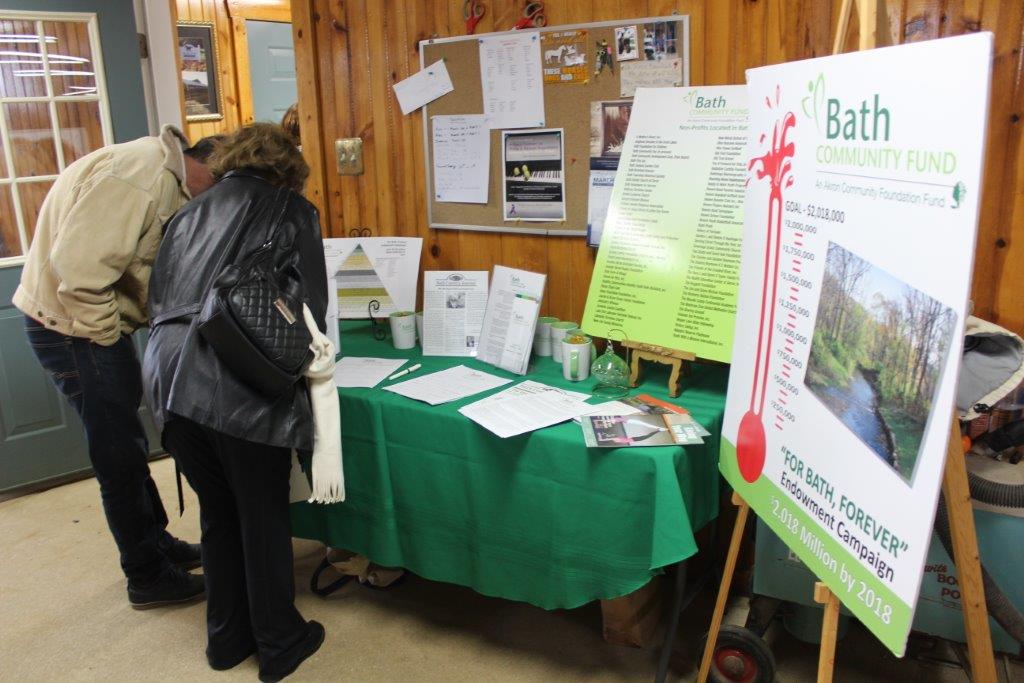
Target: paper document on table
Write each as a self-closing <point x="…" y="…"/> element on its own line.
<point x="462" y="158"/>
<point x="423" y="87"/>
<point x="354" y="371"/>
<point x="453" y="311"/>
<point x="526" y="413"/>
<point x="529" y="387"/>
<point x="506" y="338"/>
<point x="447" y="385"/>
<point x="512" y="80"/>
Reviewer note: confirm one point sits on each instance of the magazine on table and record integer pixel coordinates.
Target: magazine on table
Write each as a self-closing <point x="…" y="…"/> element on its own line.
<point x="621" y="431"/>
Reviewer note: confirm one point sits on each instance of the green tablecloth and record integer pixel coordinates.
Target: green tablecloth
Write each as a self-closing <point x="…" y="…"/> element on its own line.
<point x="539" y="517"/>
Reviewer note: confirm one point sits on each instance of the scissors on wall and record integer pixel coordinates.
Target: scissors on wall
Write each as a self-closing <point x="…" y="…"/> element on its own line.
<point x="533" y="16"/>
<point x="472" y="12"/>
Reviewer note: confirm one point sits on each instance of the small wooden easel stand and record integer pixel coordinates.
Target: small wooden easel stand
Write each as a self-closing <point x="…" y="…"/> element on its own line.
<point x="954" y="488"/>
<point x="659" y="354"/>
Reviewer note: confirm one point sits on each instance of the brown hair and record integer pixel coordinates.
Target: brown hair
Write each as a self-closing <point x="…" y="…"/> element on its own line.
<point x="265" y="149"/>
<point x="290" y="122"/>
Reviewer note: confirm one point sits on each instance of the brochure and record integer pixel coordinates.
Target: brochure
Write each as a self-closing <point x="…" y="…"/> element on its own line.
<point x="510" y="320"/>
<point x="618" y="431"/>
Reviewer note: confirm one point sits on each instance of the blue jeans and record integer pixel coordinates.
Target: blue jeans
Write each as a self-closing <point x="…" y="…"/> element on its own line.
<point x="104" y="385"/>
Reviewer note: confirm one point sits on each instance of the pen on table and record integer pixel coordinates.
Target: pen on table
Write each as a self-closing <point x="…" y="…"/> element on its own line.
<point x="409" y="369"/>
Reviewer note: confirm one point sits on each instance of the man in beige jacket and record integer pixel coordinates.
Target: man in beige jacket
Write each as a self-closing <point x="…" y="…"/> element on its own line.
<point x="83" y="292"/>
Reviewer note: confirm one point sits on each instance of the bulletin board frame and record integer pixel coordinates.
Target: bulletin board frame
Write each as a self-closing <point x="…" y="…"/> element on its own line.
<point x="566" y="105"/>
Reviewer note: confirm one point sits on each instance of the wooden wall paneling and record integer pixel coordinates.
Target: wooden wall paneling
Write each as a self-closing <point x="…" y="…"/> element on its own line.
<point x="261" y="10"/>
<point x="751" y="48"/>
<point x="361" y="53"/>
<point x="420" y="25"/>
<point x="240" y="47"/>
<point x="1003" y="226"/>
<point x="337" y="110"/>
<point x="217" y="12"/>
<point x="403" y="176"/>
<point x="382" y="126"/>
<point x="307" y="75"/>
<point x="922" y="20"/>
<point x="720" y="43"/>
<point x="961" y="16"/>
<point x="726" y="37"/>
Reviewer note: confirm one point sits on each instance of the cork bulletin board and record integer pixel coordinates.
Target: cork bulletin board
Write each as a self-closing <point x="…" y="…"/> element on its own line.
<point x="566" y="106"/>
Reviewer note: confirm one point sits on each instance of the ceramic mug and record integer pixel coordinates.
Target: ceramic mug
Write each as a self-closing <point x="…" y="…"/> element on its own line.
<point x="558" y="331"/>
<point x="576" y="330"/>
<point x="576" y="355"/>
<point x="419" y="326"/>
<point x="542" y="336"/>
<point x="403" y="329"/>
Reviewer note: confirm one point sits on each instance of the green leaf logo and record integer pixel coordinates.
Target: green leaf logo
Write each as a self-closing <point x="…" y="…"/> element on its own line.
<point x="688" y="97"/>
<point x="959" y="192"/>
<point x="815" y="98"/>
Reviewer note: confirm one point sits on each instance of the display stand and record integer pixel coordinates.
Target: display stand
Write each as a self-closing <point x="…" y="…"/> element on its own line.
<point x="659" y="354"/>
<point x="954" y="487"/>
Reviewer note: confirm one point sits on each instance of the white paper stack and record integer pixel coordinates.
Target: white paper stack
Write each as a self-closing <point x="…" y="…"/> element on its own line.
<point x="517" y="411"/>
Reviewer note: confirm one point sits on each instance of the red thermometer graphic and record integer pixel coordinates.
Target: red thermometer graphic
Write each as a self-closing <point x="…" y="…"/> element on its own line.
<point x="775" y="165"/>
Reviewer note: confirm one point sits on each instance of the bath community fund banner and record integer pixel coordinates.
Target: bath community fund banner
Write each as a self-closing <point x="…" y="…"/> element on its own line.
<point x="860" y="217"/>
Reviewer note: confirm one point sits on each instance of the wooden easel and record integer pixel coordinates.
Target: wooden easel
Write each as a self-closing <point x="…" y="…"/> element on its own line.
<point x="954" y="488"/>
<point x="659" y="354"/>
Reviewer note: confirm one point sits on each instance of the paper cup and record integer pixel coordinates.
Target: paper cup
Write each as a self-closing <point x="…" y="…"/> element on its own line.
<point x="403" y="329"/>
<point x="542" y="336"/>
<point x="576" y="360"/>
<point x="558" y="331"/>
<point x="419" y="326"/>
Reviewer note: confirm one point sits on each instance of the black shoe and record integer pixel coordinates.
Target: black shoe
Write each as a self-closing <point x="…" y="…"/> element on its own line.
<point x="181" y="554"/>
<point x="173" y="586"/>
<point x="301" y="652"/>
<point x="230" y="662"/>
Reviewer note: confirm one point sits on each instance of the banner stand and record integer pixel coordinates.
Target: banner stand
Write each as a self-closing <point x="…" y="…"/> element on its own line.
<point x="966" y="559"/>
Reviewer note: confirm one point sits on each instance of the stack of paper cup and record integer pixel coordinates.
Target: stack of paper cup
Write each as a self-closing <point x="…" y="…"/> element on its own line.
<point x="558" y="331"/>
<point x="542" y="337"/>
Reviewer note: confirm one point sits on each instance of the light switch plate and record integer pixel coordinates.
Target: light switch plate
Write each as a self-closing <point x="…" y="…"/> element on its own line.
<point x="348" y="153"/>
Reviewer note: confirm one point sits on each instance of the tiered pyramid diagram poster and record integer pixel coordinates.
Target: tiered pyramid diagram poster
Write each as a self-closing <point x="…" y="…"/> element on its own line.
<point x="365" y="269"/>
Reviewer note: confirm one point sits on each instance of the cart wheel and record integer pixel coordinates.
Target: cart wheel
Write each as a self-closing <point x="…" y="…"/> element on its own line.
<point x="741" y="657"/>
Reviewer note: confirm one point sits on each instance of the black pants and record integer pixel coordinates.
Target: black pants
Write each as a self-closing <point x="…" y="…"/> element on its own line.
<point x="247" y="545"/>
<point x="104" y="385"/>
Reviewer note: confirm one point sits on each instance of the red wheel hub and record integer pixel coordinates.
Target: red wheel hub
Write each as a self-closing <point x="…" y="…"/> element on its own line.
<point x="735" y="665"/>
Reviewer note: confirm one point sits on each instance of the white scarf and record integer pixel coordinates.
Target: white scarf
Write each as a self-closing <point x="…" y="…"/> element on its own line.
<point x="328" y="473"/>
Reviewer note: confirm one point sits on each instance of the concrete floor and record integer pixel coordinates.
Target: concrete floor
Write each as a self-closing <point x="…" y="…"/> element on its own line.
<point x="64" y="615"/>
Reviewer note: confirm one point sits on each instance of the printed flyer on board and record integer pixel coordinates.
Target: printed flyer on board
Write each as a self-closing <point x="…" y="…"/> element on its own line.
<point x="669" y="258"/>
<point x="860" y="220"/>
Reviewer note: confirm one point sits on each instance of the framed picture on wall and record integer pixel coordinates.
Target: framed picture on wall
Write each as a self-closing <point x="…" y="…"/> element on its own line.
<point x="197" y="46"/>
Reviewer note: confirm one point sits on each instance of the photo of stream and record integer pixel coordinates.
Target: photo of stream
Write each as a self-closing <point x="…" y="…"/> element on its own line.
<point x="877" y="356"/>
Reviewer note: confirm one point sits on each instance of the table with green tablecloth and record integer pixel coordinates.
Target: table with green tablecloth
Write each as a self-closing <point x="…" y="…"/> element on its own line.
<point x="539" y="517"/>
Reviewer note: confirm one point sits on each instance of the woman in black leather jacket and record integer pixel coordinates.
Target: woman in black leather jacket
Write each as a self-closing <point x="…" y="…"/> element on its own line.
<point x="232" y="443"/>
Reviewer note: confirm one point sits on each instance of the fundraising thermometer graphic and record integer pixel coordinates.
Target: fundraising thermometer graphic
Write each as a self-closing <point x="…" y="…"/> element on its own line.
<point x="776" y="166"/>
